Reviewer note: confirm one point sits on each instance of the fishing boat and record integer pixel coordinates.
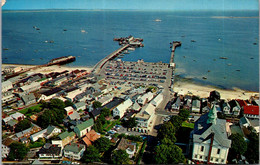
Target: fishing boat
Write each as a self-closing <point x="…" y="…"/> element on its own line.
<point x="223" y="58"/>
<point x="204" y="78"/>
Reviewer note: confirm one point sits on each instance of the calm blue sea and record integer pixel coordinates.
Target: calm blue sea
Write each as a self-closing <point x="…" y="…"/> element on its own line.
<point x="231" y="37"/>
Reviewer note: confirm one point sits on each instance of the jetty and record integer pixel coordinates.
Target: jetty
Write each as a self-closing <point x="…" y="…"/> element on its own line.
<point x="127" y="42"/>
<point x="174" y="45"/>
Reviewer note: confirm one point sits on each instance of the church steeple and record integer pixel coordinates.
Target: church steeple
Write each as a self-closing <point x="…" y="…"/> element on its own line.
<point x="212" y="115"/>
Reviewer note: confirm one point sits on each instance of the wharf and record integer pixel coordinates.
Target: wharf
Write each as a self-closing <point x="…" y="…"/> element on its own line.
<point x="174" y="45"/>
<point x="126" y="42"/>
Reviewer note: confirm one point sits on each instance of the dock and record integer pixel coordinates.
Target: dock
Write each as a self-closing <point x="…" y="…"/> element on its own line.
<point x="174" y="45"/>
<point x="126" y="42"/>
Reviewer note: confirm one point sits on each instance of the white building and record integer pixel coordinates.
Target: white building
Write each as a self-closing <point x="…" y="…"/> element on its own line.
<point x="145" y="116"/>
<point x="46" y="133"/>
<point x="210" y="140"/>
<point x="145" y="98"/>
<point x="18" y="116"/>
<point x="74" y="151"/>
<point x="6" y="85"/>
<point x="157" y="100"/>
<point x="31" y="87"/>
<point x="121" y="108"/>
<point x="105" y="99"/>
<point x="195" y="106"/>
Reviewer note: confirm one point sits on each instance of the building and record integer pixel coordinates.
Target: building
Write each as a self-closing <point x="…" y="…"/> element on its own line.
<point x="49" y="151"/>
<point x="177" y="104"/>
<point x="5" y="151"/>
<point x="74" y="116"/>
<point x="251" y="111"/>
<point x="145" y="98"/>
<point x="69" y="110"/>
<point x="128" y="146"/>
<point x="209" y="139"/>
<point x="29" y="99"/>
<point x="90" y="137"/>
<point x="64" y="138"/>
<point x="7" y="96"/>
<point x="234" y="108"/>
<point x="49" y="94"/>
<point x="18" y="116"/>
<point x="31" y="87"/>
<point x="136" y="107"/>
<point x="195" y="108"/>
<point x="74" y="151"/>
<point x="83" y="128"/>
<point x="6" y="85"/>
<point x="46" y="133"/>
<point x="121" y="109"/>
<point x="80" y="106"/>
<point x="157" y="100"/>
<point x="105" y="99"/>
<point x="145" y="117"/>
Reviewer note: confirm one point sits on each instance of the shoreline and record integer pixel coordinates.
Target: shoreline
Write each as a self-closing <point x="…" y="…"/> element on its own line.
<point x="181" y="85"/>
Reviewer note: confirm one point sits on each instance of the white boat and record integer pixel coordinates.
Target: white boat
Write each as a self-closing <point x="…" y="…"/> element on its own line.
<point x="157" y="20"/>
<point x="83" y="31"/>
<point x="130" y="48"/>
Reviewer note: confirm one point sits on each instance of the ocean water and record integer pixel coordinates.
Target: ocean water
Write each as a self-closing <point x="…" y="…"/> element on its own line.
<point x="230" y="34"/>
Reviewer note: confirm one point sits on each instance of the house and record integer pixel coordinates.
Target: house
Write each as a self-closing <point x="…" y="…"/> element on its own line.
<point x="59" y="80"/>
<point x="136" y="107"/>
<point x="121" y="109"/>
<point x="7" y="96"/>
<point x="128" y="146"/>
<point x="27" y="133"/>
<point x="226" y="108"/>
<point x="69" y="110"/>
<point x="5" y="151"/>
<point x="29" y="99"/>
<point x="145" y="116"/>
<point x="145" y="98"/>
<point x="209" y="139"/>
<point x="251" y="111"/>
<point x="31" y="87"/>
<point x="79" y="106"/>
<point x="49" y="94"/>
<point x="6" y="85"/>
<point x="90" y="137"/>
<point x="214" y="96"/>
<point x="46" y="133"/>
<point x="24" y="140"/>
<point x="83" y="128"/>
<point x="157" y="100"/>
<point x="95" y="113"/>
<point x="6" y="119"/>
<point x="234" y="108"/>
<point x="11" y="124"/>
<point x="105" y="99"/>
<point x="49" y="151"/>
<point x="74" y="151"/>
<point x="74" y="116"/>
<point x="195" y="108"/>
<point x="64" y="138"/>
<point x="177" y="104"/>
<point x="18" y="116"/>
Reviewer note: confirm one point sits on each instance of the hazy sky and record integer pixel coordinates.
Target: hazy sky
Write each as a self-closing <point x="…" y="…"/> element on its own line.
<point x="133" y="4"/>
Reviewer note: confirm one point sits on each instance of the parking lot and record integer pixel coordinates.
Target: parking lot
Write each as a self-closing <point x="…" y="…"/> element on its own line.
<point x="136" y="71"/>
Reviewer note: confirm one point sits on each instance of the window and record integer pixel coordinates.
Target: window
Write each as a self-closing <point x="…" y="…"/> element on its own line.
<point x="222" y="160"/>
<point x="211" y="159"/>
<point x="206" y="158"/>
<point x="216" y="159"/>
<point x="218" y="152"/>
<point x="202" y="148"/>
<point x="200" y="157"/>
<point x="195" y="156"/>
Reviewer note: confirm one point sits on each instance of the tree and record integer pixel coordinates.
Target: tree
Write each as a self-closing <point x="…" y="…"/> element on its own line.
<point x="22" y="125"/>
<point x="252" y="153"/>
<point x="17" y="151"/>
<point x="168" y="153"/>
<point x="120" y="157"/>
<point x="238" y="146"/>
<point x="98" y="127"/>
<point x="56" y="103"/>
<point x="68" y="103"/>
<point x="91" y="155"/>
<point x="96" y="104"/>
<point x="130" y="123"/>
<point x="184" y="114"/>
<point x="167" y="130"/>
<point x="102" y="144"/>
<point x="105" y="111"/>
<point x="176" y="122"/>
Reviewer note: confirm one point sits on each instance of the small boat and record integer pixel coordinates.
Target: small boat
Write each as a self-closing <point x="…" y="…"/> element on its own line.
<point x="5" y="48"/>
<point x="157" y="20"/>
<point x="251" y="58"/>
<point x="34" y="27"/>
<point x="192" y="41"/>
<point x="194" y="60"/>
<point x="64" y="29"/>
<point x="51" y="41"/>
<point x="131" y="48"/>
<point x="208" y="70"/>
<point x="255" y="43"/>
<point x="204" y="78"/>
<point x="46" y="41"/>
<point x="229" y="64"/>
<point x="182" y="36"/>
<point x="37" y="28"/>
<point x="126" y="52"/>
<point x="184" y="56"/>
<point x="238" y="70"/>
<point x="223" y="58"/>
<point x="83" y="31"/>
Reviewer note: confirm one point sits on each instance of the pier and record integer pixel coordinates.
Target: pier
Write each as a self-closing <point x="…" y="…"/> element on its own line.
<point x="126" y="43"/>
<point x="174" y="45"/>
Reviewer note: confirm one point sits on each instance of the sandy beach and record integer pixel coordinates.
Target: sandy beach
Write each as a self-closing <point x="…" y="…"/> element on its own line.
<point x="203" y="91"/>
<point x="49" y="69"/>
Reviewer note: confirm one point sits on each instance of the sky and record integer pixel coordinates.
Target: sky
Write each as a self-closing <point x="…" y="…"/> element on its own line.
<point x="133" y="4"/>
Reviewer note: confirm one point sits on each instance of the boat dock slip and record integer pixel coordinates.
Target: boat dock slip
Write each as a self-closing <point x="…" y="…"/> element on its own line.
<point x="128" y="43"/>
<point x="174" y="45"/>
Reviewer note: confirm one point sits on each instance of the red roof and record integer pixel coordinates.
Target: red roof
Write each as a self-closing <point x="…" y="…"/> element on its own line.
<point x="251" y="110"/>
<point x="242" y="103"/>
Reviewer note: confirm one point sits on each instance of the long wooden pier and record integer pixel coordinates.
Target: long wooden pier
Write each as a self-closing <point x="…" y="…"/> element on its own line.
<point x="174" y="45"/>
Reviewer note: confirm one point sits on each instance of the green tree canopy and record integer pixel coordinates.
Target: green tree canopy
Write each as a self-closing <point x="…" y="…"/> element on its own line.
<point x="252" y="153"/>
<point x="96" y="104"/>
<point x="102" y="144"/>
<point x="68" y="103"/>
<point x="56" y="103"/>
<point x="120" y="157"/>
<point x="91" y="155"/>
<point x="105" y="111"/>
<point x="176" y="122"/>
<point x="17" y="151"/>
<point x="184" y="114"/>
<point x="167" y="130"/>
<point x="238" y="145"/>
<point x="22" y="125"/>
<point x="130" y="123"/>
<point x="168" y="154"/>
